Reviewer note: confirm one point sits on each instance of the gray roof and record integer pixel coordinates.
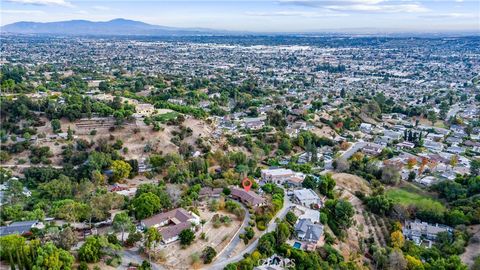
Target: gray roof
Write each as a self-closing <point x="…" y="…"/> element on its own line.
<point x="312" y="231"/>
<point x="19" y="227"/>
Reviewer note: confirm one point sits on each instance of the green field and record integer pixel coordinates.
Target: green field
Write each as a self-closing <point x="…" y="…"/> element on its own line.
<point x="166" y="117"/>
<point x="411" y="198"/>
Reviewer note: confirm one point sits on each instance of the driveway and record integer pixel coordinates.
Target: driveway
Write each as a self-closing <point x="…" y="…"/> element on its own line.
<point x="133" y="256"/>
<point x="353" y="149"/>
<point x="223" y="260"/>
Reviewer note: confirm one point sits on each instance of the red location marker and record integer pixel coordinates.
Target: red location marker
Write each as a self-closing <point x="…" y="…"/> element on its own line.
<point x="247" y="184"/>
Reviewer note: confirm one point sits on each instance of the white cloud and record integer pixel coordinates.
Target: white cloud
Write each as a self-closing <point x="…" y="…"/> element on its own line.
<point x="102" y="8"/>
<point x="287" y="13"/>
<point x="374" y="6"/>
<point x="452" y="15"/>
<point x="409" y="8"/>
<point x="21" y="11"/>
<point x="43" y="2"/>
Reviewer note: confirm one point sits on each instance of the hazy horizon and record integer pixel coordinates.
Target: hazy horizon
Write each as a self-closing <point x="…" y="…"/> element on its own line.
<point x="282" y="16"/>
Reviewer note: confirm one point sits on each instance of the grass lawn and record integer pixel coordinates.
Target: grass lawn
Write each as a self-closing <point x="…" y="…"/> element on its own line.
<point x="408" y="196"/>
<point x="166" y="117"/>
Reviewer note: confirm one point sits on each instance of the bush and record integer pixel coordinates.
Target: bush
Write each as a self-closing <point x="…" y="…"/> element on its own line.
<point x="83" y="266"/>
<point x="208" y="254"/>
<point x="261" y="225"/>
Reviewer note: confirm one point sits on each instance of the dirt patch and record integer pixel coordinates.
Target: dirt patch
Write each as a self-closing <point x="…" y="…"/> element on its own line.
<point x="351" y="183"/>
<point x="218" y="238"/>
<point x="473" y="248"/>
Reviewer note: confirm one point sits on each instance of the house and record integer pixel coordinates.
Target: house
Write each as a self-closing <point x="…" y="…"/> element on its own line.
<point x="418" y="231"/>
<point x="143" y="109"/>
<point x="207" y="192"/>
<point x="171" y="223"/>
<point x="20" y="227"/>
<point x="433" y="146"/>
<point x="365" y="127"/>
<point x="456" y="150"/>
<point x="393" y="135"/>
<point x="254" y="123"/>
<point x="405" y="144"/>
<point x="247" y="197"/>
<point x="372" y="149"/>
<point x="281" y="176"/>
<point x="308" y="231"/>
<point x="306" y="213"/>
<point x="307" y="197"/>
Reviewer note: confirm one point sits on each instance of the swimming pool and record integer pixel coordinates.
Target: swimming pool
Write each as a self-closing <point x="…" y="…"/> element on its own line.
<point x="297" y="245"/>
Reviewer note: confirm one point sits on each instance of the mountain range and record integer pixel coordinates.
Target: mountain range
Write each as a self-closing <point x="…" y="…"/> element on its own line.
<point x="114" y="27"/>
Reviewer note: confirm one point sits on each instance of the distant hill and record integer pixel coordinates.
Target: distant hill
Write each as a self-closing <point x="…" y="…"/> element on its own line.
<point x="113" y="27"/>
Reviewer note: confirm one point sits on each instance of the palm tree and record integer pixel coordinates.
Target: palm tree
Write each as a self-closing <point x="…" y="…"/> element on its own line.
<point x="152" y="237"/>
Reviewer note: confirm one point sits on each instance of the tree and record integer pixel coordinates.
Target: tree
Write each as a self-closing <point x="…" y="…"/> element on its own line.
<point x="291" y="218"/>
<point x="93" y="249"/>
<point x="122" y="223"/>
<point x="453" y="161"/>
<point x="379" y="204"/>
<point x="475" y="167"/>
<point x="282" y="233"/>
<point x="341" y="165"/>
<point x="146" y="205"/>
<point x="56" y="126"/>
<point x="285" y="145"/>
<point x="66" y="238"/>
<point x="414" y="263"/>
<point x="397" y="239"/>
<point x="48" y="256"/>
<point x="432" y="117"/>
<point x="390" y="174"/>
<point x="208" y="254"/>
<point x="396" y="260"/>
<point x="120" y="169"/>
<point x="344" y="213"/>
<point x="411" y="162"/>
<point x="186" y="237"/>
<point x="69" y="134"/>
<point x="327" y="185"/>
<point x="309" y="182"/>
<point x="152" y="237"/>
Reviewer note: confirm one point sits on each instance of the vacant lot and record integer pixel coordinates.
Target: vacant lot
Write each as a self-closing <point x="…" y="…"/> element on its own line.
<point x="351" y="183"/>
<point x="410" y="197"/>
<point x="180" y="258"/>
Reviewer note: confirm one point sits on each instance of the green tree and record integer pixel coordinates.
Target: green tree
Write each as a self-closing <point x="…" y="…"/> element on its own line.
<point x="48" y="256"/>
<point x="146" y="205"/>
<point x="123" y="223"/>
<point x="186" y="237"/>
<point x="120" y="169"/>
<point x="432" y="117"/>
<point x="94" y="249"/>
<point x="152" y="237"/>
<point x="56" y="126"/>
<point x="282" y="233"/>
<point x="309" y="182"/>
<point x="208" y="254"/>
<point x="327" y="185"/>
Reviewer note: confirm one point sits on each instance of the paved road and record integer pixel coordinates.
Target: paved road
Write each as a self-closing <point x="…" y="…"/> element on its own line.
<point x="222" y="262"/>
<point x="227" y="251"/>
<point x="452" y="112"/>
<point x="133" y="256"/>
<point x="353" y="149"/>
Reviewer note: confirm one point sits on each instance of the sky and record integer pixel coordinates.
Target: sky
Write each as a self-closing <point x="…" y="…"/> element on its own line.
<point x="262" y="15"/>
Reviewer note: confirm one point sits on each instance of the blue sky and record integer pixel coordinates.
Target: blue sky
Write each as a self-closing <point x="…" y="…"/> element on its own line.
<point x="266" y="15"/>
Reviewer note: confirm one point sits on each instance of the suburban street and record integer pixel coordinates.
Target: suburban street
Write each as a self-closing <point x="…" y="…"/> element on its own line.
<point x="353" y="149"/>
